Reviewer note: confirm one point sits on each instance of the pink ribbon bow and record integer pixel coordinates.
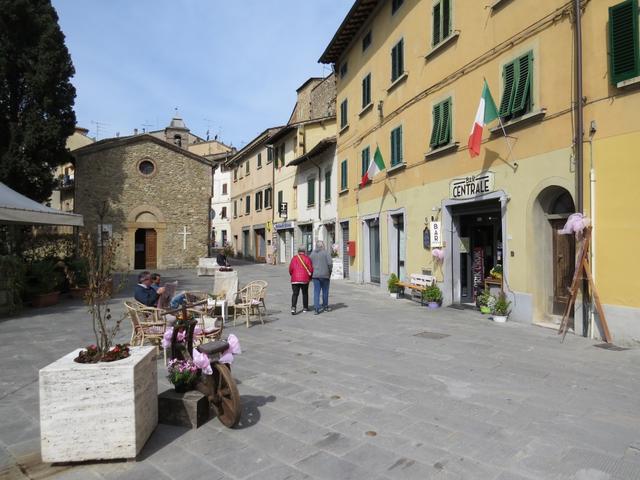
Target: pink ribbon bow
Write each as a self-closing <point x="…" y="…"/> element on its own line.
<point x="201" y="360"/>
<point x="234" y="349"/>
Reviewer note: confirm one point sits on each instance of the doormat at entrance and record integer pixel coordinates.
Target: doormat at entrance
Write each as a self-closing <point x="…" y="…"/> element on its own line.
<point x="462" y="306"/>
<point x="432" y="335"/>
<point x="610" y="346"/>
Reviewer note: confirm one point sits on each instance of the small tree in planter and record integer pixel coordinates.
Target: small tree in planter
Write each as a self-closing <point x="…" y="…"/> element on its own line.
<point x="432" y="296"/>
<point x="392" y="285"/>
<point x="501" y="308"/>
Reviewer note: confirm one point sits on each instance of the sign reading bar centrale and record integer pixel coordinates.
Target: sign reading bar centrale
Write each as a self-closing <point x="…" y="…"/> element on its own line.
<point x="469" y="187"/>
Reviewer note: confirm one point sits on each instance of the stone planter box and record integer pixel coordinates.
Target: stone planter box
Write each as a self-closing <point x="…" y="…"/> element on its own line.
<point x="98" y="411"/>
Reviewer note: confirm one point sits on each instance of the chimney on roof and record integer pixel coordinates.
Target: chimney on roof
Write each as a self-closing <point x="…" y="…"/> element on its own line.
<point x="135" y="131"/>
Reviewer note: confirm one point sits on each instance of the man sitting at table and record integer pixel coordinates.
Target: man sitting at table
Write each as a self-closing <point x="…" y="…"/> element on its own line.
<point x="144" y="293"/>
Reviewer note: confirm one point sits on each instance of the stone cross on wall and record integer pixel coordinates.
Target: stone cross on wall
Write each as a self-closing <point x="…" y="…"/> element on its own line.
<point x="184" y="234"/>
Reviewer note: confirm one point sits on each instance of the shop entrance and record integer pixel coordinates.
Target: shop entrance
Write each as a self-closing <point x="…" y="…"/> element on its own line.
<point x="479" y="228"/>
<point x="146" y="249"/>
<point x="260" y="245"/>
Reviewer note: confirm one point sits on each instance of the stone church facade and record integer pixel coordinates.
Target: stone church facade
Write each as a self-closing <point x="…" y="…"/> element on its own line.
<point x="157" y="198"/>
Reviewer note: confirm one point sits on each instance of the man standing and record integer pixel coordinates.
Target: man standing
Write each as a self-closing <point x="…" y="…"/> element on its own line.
<point x="144" y="293"/>
<point x="322" y="265"/>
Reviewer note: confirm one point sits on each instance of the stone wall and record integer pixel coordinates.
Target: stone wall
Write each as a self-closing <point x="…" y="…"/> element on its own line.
<point x="176" y="194"/>
<point x="323" y="98"/>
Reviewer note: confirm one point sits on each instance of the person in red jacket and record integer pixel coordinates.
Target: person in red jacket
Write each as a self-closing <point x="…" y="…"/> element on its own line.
<point x="300" y="270"/>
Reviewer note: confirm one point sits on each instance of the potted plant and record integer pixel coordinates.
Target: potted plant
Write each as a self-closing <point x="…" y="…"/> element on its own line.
<point x="103" y="391"/>
<point x="485" y="301"/>
<point x="496" y="271"/>
<point x="392" y="285"/>
<point x="43" y="280"/>
<point x="182" y="374"/>
<point x="501" y="308"/>
<point x="432" y="296"/>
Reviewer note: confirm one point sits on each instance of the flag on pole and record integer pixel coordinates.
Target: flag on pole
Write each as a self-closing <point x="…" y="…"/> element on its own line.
<point x="487" y="112"/>
<point x="376" y="166"/>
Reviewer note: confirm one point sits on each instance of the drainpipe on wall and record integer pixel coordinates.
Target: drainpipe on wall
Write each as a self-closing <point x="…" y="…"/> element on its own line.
<point x="213" y="172"/>
<point x="578" y="146"/>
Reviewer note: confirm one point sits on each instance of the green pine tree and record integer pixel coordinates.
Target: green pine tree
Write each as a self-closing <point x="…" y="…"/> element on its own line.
<point x="36" y="97"/>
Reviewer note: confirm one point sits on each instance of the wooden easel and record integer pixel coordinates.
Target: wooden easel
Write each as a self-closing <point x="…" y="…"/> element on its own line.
<point x="583" y="268"/>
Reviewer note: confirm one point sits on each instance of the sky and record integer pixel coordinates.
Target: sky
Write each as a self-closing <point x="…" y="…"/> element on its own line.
<point x="230" y="67"/>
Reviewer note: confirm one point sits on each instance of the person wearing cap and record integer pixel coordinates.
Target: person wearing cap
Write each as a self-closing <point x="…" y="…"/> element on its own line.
<point x="301" y="271"/>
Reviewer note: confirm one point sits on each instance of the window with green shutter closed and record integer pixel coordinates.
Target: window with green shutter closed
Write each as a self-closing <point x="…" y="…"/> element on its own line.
<point x="311" y="192"/>
<point x="343" y="114"/>
<point x="366" y="90"/>
<point x="396" y="146"/>
<point x="517" y="78"/>
<point x="343" y="175"/>
<point x="365" y="161"/>
<point x="441" y="21"/>
<point x="441" y="132"/>
<point x="624" y="48"/>
<point x="397" y="60"/>
<point x="327" y="186"/>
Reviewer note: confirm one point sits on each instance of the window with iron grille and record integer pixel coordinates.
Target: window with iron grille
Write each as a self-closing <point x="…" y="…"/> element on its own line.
<point x="441" y="131"/>
<point x="397" y="60"/>
<point x="441" y="21"/>
<point x="517" y="94"/>
<point x="396" y="146"/>
<point x="624" y="46"/>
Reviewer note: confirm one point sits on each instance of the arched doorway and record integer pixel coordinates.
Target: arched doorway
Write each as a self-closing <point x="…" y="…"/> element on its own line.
<point x="555" y="253"/>
<point x="146" y="249"/>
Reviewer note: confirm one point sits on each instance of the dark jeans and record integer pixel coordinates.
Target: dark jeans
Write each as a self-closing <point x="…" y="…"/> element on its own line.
<point x="320" y="284"/>
<point x="297" y="287"/>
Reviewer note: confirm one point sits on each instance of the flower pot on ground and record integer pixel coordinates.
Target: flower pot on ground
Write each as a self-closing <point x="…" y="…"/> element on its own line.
<point x="485" y="301"/>
<point x="432" y="295"/>
<point x="392" y="285"/>
<point x="501" y="308"/>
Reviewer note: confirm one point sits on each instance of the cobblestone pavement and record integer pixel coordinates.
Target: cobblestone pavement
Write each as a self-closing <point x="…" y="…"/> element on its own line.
<point x="375" y="389"/>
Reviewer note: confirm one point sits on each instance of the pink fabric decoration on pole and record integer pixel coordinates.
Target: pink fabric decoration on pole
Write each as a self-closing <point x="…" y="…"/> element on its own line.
<point x="201" y="360"/>
<point x="234" y="349"/>
<point x="438" y="254"/>
<point x="576" y="223"/>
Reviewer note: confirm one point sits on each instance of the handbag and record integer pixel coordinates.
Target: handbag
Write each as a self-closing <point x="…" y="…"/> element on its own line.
<point x="303" y="264"/>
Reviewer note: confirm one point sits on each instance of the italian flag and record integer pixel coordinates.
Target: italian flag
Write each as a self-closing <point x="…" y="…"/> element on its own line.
<point x="487" y="112"/>
<point x="374" y="167"/>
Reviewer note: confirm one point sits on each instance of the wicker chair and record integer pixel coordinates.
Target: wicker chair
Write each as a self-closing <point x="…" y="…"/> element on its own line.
<point x="263" y="293"/>
<point x="248" y="302"/>
<point x="147" y="323"/>
<point x="208" y="328"/>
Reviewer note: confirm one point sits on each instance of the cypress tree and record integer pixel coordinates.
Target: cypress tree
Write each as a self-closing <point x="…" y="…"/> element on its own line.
<point x="36" y="97"/>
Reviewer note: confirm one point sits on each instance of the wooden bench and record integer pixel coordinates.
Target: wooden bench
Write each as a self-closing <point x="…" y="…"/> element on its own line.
<point x="417" y="284"/>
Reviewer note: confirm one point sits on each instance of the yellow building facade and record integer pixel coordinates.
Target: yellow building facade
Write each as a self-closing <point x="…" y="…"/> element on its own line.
<point x="410" y="74"/>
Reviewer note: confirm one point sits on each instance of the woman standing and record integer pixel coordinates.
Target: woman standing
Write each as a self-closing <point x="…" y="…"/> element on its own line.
<point x="301" y="271"/>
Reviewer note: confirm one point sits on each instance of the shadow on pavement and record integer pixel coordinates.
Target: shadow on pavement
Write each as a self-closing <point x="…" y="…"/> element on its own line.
<point x="250" y="412"/>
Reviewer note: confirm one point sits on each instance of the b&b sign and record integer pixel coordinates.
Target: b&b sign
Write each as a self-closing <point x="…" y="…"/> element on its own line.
<point x="472" y="186"/>
<point x="282" y="209"/>
<point x="436" y="234"/>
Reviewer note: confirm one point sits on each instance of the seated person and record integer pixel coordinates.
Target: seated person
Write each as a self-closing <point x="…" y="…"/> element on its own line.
<point x="221" y="260"/>
<point x="144" y="293"/>
<point x="155" y="281"/>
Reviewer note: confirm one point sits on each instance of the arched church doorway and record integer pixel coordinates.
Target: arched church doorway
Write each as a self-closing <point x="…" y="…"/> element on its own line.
<point x="146" y="249"/>
<point x="555" y="253"/>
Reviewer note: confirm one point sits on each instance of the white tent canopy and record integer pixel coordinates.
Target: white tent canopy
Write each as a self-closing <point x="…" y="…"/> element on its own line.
<point x="16" y="208"/>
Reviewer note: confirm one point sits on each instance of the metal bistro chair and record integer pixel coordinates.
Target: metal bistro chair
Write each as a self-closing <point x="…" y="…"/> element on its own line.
<point x="147" y="323"/>
<point x="248" y="303"/>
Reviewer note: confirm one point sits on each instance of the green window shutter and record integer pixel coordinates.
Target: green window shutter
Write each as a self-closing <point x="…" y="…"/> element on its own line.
<point x="446" y="18"/>
<point x="508" y="76"/>
<point x="522" y="88"/>
<point x="343" y="113"/>
<point x="444" y="135"/>
<point x="327" y="186"/>
<point x="436" y="23"/>
<point x="623" y="41"/>
<point x="399" y="146"/>
<point x="311" y="193"/>
<point x="366" y="90"/>
<point x="400" y="57"/>
<point x="279" y="198"/>
<point x="397" y="60"/>
<point x="365" y="161"/>
<point x="435" y="132"/>
<point x="343" y="175"/>
<point x="396" y="146"/>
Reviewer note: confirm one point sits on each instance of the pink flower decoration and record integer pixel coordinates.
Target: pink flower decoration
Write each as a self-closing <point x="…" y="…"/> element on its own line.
<point x="234" y="349"/>
<point x="166" y="338"/>
<point x="576" y="223"/>
<point x="438" y="254"/>
<point x="201" y="360"/>
<point x="181" y="336"/>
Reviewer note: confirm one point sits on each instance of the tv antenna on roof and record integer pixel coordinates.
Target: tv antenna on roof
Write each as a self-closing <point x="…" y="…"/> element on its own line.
<point x="99" y="127"/>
